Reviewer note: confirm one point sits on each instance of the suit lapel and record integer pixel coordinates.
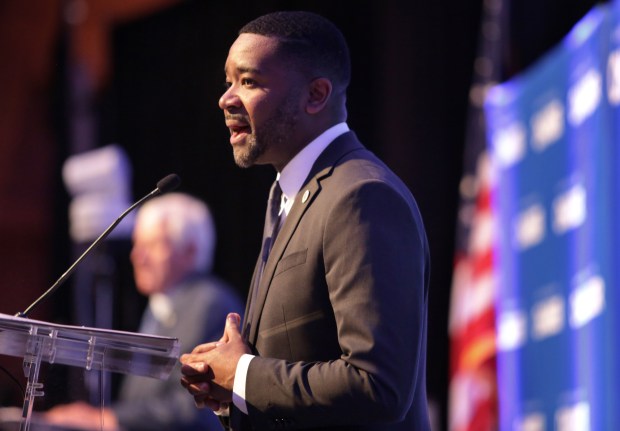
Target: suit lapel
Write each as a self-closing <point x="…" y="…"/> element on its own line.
<point x="321" y="169"/>
<point x="286" y="232"/>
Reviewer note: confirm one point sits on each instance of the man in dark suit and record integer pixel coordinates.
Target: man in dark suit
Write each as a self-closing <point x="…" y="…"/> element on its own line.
<point x="174" y="241"/>
<point x="335" y="330"/>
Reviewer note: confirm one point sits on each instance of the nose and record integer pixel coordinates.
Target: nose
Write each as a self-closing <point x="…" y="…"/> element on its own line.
<point x="229" y="99"/>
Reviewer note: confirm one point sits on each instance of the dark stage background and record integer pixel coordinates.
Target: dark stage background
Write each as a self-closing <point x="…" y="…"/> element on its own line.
<point x="156" y="75"/>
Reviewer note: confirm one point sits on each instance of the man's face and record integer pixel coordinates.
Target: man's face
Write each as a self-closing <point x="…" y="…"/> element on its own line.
<point x="157" y="263"/>
<point x="262" y="102"/>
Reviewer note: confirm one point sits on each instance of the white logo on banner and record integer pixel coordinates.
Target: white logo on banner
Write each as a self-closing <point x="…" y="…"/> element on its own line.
<point x="613" y="77"/>
<point x="584" y="97"/>
<point x="569" y="209"/>
<point x="530" y="227"/>
<point x="547" y="125"/>
<point x="587" y="301"/>
<point x="532" y="422"/>
<point x="548" y="317"/>
<point x="511" y="330"/>
<point x="573" y="418"/>
<point x="509" y="144"/>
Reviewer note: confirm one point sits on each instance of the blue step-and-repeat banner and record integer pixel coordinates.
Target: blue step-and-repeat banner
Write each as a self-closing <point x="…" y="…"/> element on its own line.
<point x="554" y="138"/>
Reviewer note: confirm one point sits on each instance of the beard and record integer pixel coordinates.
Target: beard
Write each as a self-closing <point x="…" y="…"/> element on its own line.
<point x="272" y="133"/>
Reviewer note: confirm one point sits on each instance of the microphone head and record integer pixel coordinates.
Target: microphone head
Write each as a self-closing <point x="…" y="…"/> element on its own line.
<point x="168" y="183"/>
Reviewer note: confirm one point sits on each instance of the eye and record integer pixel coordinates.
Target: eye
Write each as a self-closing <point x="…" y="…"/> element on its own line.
<point x="227" y="85"/>
<point x="248" y="82"/>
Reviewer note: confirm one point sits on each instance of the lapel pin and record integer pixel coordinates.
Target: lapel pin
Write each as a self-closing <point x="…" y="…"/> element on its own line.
<point x="304" y="198"/>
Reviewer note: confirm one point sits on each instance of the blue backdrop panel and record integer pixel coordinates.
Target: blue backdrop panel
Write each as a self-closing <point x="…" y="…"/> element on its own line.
<point x="551" y="133"/>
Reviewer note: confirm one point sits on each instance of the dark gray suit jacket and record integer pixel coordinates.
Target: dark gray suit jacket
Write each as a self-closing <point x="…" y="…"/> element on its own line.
<point x="340" y="320"/>
<point x="145" y="404"/>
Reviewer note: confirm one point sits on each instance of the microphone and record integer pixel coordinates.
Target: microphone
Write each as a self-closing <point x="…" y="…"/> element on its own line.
<point x="166" y="184"/>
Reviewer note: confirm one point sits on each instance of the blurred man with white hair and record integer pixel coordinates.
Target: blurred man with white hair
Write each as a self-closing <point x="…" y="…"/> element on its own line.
<point x="172" y="256"/>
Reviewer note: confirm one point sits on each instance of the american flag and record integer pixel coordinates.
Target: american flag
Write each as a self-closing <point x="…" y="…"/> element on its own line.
<point x="473" y="394"/>
<point x="473" y="404"/>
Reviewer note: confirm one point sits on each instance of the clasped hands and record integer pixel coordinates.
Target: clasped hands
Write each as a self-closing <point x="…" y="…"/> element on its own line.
<point x="209" y="370"/>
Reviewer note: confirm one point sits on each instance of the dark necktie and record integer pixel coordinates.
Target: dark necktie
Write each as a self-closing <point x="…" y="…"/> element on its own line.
<point x="272" y="220"/>
<point x="270" y="231"/>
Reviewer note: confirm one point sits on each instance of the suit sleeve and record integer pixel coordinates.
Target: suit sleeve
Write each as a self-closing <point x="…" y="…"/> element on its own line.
<point x="375" y="259"/>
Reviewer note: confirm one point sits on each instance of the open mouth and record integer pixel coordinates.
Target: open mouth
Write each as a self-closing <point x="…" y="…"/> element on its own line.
<point x="238" y="132"/>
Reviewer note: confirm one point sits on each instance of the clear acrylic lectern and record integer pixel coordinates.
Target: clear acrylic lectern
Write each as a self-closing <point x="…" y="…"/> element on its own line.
<point x="89" y="348"/>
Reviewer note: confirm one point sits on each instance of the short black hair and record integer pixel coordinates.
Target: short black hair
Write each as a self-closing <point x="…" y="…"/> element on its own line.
<point x="309" y="40"/>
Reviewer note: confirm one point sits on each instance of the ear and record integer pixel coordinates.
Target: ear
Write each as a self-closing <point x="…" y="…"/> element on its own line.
<point x="189" y="253"/>
<point x="319" y="92"/>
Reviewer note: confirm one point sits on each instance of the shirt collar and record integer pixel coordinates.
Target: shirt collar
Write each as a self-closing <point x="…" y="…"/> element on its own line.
<point x="296" y="171"/>
<point x="162" y="308"/>
<point x="162" y="304"/>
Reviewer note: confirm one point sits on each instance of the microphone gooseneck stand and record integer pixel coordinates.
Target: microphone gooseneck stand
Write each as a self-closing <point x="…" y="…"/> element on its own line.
<point x="38" y="346"/>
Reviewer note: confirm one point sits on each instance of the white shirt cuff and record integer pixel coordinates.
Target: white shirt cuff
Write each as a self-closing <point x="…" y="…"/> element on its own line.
<point x="241" y="374"/>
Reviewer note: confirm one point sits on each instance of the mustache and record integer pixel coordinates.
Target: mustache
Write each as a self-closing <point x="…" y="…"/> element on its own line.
<point x="236" y="117"/>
